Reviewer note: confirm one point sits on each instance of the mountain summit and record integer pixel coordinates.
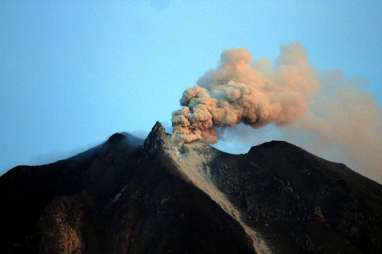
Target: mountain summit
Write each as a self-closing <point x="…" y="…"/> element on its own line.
<point x="129" y="195"/>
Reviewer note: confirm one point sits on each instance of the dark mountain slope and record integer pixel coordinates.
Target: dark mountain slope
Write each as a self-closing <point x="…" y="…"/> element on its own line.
<point x="302" y="203"/>
<point x="115" y="198"/>
<point x="126" y="196"/>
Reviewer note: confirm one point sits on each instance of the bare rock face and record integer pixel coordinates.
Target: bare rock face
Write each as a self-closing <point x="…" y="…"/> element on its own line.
<point x="154" y="196"/>
<point x="301" y="203"/>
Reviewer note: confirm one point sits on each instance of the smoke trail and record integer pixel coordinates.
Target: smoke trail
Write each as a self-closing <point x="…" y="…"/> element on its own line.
<point x="241" y="90"/>
<point x="344" y="117"/>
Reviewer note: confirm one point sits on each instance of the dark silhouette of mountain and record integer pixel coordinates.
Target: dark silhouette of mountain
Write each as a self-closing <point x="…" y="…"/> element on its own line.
<point x="158" y="196"/>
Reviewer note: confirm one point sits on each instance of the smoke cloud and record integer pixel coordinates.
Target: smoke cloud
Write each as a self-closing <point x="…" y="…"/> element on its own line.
<point x="320" y="111"/>
<point x="243" y="90"/>
<point x="345" y="118"/>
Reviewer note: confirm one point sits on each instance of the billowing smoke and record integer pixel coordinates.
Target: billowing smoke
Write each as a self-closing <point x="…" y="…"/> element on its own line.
<point x="321" y="111"/>
<point x="242" y="90"/>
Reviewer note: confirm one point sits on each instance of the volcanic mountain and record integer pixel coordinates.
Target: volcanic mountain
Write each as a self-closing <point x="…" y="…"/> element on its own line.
<point x="154" y="196"/>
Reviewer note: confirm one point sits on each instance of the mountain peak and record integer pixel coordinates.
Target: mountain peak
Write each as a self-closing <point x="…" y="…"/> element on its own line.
<point x="156" y="138"/>
<point x="158" y="128"/>
<point x="116" y="138"/>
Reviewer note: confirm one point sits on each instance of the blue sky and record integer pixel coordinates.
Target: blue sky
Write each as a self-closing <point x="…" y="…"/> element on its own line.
<point x="72" y="74"/>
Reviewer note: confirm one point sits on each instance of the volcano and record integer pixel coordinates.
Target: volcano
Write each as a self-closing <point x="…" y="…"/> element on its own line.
<point x="129" y="195"/>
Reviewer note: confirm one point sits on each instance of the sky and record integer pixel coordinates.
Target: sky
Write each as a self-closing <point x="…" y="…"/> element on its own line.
<point x="72" y="73"/>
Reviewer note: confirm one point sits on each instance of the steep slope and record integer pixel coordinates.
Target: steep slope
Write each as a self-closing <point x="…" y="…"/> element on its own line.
<point x="120" y="197"/>
<point x="159" y="196"/>
<point x="301" y="203"/>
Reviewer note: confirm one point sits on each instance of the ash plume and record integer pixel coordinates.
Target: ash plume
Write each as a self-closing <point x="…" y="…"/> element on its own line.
<point x="346" y="119"/>
<point x="321" y="111"/>
<point x="243" y="90"/>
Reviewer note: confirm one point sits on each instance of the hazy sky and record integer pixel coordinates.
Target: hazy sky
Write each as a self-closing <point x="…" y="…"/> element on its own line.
<point x="72" y="74"/>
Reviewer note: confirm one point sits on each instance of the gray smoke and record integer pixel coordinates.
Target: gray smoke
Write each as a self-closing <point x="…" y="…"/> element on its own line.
<point x="241" y="90"/>
<point x="328" y="111"/>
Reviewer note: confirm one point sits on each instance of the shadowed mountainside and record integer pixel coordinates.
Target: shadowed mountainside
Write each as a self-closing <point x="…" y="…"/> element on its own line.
<point x="133" y="196"/>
